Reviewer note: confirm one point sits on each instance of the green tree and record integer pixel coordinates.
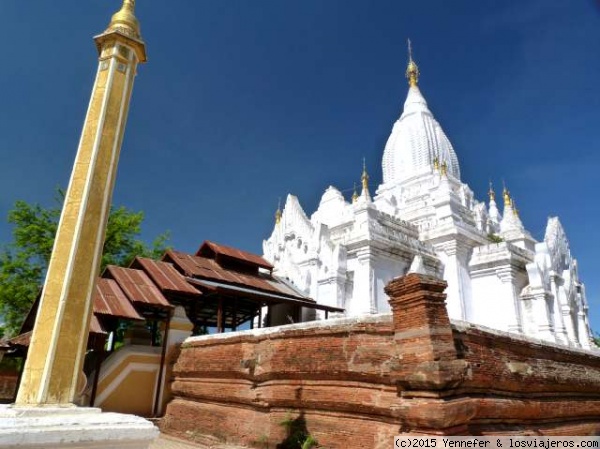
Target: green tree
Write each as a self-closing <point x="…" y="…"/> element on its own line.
<point x="23" y="262"/>
<point x="596" y="337"/>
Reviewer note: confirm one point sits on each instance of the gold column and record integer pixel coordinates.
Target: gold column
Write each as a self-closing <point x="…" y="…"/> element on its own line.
<point x="58" y="343"/>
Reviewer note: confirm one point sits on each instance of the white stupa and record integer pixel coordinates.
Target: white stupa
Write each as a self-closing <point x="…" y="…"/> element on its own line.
<point x="498" y="275"/>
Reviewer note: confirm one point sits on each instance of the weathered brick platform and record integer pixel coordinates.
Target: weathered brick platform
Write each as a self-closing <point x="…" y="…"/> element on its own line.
<point x="355" y="383"/>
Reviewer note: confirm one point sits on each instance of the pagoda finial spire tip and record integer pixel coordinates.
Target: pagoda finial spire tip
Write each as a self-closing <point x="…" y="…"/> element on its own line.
<point x="364" y="179"/>
<point x="278" y="212"/>
<point x="506" y="195"/>
<point x="491" y="192"/>
<point x="412" y="70"/>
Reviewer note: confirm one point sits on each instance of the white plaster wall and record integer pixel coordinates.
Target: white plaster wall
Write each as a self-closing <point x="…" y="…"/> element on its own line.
<point x="494" y="303"/>
<point x="386" y="269"/>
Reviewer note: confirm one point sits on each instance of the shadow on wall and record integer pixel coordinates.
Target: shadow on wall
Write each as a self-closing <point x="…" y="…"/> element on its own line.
<point x="298" y="436"/>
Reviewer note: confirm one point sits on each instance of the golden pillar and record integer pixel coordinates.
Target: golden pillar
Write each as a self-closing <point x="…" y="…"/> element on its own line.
<point x="58" y="343"/>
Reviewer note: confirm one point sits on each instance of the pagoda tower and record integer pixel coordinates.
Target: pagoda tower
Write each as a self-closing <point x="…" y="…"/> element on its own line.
<point x="55" y="360"/>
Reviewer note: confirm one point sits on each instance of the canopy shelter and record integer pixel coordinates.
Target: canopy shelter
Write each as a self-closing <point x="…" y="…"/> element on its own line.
<point x="234" y="288"/>
<point x="219" y="287"/>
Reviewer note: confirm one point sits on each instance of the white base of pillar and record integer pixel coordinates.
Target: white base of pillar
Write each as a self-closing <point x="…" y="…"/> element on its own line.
<point x="72" y="428"/>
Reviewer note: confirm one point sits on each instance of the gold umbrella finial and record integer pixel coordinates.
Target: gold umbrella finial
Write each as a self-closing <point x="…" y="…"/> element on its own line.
<point x="412" y="70"/>
<point x="365" y="177"/>
<point x="278" y="212"/>
<point x="354" y="194"/>
<point x="506" y="195"/>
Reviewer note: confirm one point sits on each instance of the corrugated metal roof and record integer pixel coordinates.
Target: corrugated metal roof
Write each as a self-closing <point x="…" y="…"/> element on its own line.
<point x="25" y="338"/>
<point x="96" y="326"/>
<point x="109" y="299"/>
<point x="166" y="277"/>
<point x="201" y="267"/>
<point x="138" y="287"/>
<point x="234" y="253"/>
<point x="21" y="340"/>
<point x="233" y="288"/>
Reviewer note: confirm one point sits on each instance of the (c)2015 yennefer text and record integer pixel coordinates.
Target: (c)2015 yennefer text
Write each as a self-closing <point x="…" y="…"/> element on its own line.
<point x="499" y="442"/>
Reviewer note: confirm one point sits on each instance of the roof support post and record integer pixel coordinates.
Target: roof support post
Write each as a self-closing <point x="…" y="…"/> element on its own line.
<point x="234" y="316"/>
<point x="161" y="368"/>
<point x="20" y="376"/>
<point x="99" y="359"/>
<point x="220" y="316"/>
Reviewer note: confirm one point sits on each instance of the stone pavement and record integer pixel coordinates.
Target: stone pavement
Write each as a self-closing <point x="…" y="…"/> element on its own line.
<point x="170" y="442"/>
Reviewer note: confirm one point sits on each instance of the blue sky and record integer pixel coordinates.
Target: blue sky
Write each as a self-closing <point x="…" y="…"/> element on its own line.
<point x="244" y="101"/>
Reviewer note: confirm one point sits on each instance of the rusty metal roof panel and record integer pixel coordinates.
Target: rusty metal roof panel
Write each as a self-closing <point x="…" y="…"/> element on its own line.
<point x="166" y="277"/>
<point x="25" y="338"/>
<point x="21" y="340"/>
<point x="96" y="327"/>
<point x="287" y="289"/>
<point x="109" y="299"/>
<point x="138" y="287"/>
<point x="306" y="302"/>
<point x="235" y="253"/>
<point x="204" y="268"/>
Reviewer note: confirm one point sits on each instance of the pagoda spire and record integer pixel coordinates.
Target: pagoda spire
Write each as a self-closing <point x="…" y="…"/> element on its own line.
<point x="278" y="213"/>
<point x="506" y="196"/>
<point x="364" y="178"/>
<point x="365" y="182"/>
<point x="354" y="194"/>
<point x="493" y="209"/>
<point x="491" y="193"/>
<point x="514" y="208"/>
<point x="511" y="218"/>
<point x="412" y="70"/>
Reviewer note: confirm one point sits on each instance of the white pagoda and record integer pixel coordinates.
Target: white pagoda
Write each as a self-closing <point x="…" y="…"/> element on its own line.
<point x="423" y="218"/>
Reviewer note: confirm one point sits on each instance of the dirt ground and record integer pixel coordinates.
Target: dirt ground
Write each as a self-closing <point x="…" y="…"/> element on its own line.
<point x="170" y="442"/>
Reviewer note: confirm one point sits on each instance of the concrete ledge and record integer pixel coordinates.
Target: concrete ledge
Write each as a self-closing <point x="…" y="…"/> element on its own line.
<point x="464" y="326"/>
<point x="457" y="325"/>
<point x="319" y="324"/>
<point x="72" y="428"/>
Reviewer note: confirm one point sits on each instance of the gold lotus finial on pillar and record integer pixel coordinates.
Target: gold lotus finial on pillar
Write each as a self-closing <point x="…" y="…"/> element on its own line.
<point x="514" y="208"/>
<point x="125" y="18"/>
<point x="436" y="163"/>
<point x="412" y="70"/>
<point x="491" y="193"/>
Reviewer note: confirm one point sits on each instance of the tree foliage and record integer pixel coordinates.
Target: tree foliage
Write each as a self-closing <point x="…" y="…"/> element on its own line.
<point x="23" y="262"/>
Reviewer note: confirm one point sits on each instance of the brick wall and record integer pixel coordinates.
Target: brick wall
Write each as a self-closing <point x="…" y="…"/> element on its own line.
<point x="355" y="383"/>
